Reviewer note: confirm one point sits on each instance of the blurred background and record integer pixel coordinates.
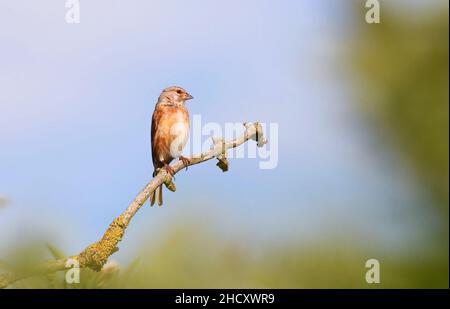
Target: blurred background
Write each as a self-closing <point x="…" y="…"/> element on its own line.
<point x="362" y="111"/>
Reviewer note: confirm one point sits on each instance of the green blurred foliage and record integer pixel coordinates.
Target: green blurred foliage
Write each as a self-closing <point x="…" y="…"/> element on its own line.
<point x="191" y="256"/>
<point x="401" y="67"/>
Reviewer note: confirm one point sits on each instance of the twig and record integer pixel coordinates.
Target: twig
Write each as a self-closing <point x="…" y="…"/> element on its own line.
<point x="97" y="254"/>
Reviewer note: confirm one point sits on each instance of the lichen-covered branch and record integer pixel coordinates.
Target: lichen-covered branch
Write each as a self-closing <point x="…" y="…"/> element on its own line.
<point x="97" y="254"/>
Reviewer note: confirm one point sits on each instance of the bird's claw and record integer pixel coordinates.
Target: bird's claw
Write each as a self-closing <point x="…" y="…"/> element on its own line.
<point x="185" y="161"/>
<point x="169" y="170"/>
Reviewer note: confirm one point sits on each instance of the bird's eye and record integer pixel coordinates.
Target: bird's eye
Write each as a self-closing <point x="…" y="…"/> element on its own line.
<point x="178" y="91"/>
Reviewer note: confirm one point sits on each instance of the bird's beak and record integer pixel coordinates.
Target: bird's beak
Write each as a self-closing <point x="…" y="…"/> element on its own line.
<point x="188" y="97"/>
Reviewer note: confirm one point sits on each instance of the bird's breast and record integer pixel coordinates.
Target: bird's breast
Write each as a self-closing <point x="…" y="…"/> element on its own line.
<point x="179" y="133"/>
<point x="173" y="130"/>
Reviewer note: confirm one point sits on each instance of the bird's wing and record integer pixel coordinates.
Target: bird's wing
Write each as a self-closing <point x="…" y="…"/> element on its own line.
<point x="156" y="119"/>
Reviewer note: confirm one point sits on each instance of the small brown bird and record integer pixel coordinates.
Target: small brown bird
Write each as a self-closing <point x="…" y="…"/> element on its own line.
<point x="170" y="131"/>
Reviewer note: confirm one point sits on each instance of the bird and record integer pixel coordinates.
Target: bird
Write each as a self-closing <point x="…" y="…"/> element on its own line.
<point x="169" y="133"/>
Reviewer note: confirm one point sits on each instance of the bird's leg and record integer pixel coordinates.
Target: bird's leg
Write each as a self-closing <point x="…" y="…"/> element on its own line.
<point x="169" y="170"/>
<point x="185" y="161"/>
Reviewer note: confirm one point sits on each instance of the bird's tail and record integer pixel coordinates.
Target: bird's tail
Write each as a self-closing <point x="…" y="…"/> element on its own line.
<point x="156" y="196"/>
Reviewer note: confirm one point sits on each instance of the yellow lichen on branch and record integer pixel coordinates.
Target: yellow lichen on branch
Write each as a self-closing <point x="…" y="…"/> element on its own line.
<point x="96" y="255"/>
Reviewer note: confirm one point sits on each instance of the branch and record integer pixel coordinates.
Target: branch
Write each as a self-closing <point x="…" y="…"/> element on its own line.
<point x="97" y="254"/>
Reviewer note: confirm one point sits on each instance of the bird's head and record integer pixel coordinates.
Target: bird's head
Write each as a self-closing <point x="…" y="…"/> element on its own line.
<point x="174" y="96"/>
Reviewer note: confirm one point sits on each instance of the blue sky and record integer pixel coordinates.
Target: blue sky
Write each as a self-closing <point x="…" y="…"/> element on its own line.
<point x="76" y="104"/>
